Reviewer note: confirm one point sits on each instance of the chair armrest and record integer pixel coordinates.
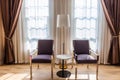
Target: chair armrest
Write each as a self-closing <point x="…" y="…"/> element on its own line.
<point x="75" y="55"/>
<point x="53" y="58"/>
<point x="94" y="54"/>
<point x="34" y="52"/>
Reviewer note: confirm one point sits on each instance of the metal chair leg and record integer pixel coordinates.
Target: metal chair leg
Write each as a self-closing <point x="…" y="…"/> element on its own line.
<point x="75" y="71"/>
<point x="97" y="71"/>
<point x="38" y="66"/>
<point x="52" y="71"/>
<point x="30" y="68"/>
<point x="52" y="67"/>
<point x="87" y="66"/>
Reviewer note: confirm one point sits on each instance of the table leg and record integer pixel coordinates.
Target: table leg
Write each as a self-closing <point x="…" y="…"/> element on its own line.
<point x="62" y="67"/>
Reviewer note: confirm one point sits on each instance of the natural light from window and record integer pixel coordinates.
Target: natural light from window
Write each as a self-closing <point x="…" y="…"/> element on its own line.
<point x="36" y="21"/>
<point x="85" y="21"/>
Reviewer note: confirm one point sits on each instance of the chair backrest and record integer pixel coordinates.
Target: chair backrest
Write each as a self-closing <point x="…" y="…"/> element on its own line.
<point x="81" y="46"/>
<point x="45" y="47"/>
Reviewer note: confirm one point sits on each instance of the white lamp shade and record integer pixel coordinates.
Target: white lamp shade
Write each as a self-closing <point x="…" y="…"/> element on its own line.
<point x="63" y="20"/>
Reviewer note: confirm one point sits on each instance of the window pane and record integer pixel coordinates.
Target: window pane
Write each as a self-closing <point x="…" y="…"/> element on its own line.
<point x="80" y="3"/>
<point x="37" y="21"/>
<point x="85" y="17"/>
<point x="94" y="3"/>
<point x="78" y="11"/>
<point x="94" y="13"/>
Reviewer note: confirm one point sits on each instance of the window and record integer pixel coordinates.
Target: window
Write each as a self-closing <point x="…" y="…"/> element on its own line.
<point x="37" y="15"/>
<point x="85" y="20"/>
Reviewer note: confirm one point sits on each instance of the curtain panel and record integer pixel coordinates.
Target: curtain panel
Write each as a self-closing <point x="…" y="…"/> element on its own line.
<point x="104" y="37"/>
<point x="20" y="42"/>
<point x="1" y="40"/>
<point x="10" y="10"/>
<point x="112" y="13"/>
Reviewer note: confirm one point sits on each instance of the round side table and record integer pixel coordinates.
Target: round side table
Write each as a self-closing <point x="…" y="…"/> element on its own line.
<point x="63" y="73"/>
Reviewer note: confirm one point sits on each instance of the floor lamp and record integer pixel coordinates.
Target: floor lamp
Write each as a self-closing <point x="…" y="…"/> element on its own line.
<point x="63" y="22"/>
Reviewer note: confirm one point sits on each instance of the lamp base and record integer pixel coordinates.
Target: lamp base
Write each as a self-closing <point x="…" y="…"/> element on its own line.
<point x="63" y="73"/>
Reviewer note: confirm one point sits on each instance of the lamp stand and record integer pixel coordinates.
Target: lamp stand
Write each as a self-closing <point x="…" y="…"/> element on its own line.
<point x="65" y="63"/>
<point x="63" y="21"/>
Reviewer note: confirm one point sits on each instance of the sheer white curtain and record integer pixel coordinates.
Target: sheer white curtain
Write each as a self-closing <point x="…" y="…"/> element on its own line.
<point x="104" y="37"/>
<point x="21" y="46"/>
<point x="35" y="22"/>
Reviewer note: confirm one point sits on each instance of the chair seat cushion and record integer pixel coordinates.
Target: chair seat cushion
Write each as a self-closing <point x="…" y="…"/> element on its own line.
<point x="41" y="59"/>
<point x="85" y="58"/>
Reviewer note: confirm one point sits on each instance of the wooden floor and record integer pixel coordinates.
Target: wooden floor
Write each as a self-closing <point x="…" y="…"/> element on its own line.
<point x="21" y="72"/>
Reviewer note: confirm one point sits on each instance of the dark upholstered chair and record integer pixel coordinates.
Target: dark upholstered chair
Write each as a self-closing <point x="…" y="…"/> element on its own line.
<point x="43" y="55"/>
<point x="83" y="54"/>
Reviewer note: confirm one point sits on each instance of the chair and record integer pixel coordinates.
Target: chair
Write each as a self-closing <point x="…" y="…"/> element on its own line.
<point x="83" y="54"/>
<point x="44" y="54"/>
